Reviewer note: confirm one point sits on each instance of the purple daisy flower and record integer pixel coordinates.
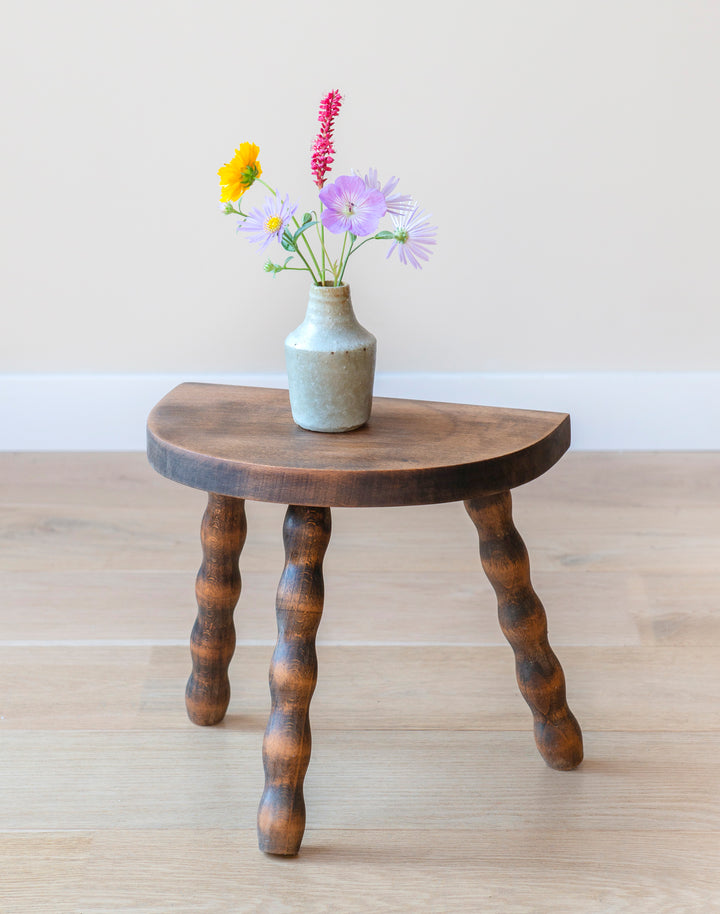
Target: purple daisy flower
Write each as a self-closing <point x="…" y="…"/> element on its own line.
<point x="351" y="206"/>
<point x="264" y="225"/>
<point x="396" y="203"/>
<point x="412" y="236"/>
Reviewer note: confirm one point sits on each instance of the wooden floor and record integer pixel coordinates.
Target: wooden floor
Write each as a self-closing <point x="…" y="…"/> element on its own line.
<point x="425" y="791"/>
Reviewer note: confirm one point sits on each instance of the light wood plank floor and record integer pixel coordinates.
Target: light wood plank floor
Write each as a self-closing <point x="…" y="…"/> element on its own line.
<point x="425" y="791"/>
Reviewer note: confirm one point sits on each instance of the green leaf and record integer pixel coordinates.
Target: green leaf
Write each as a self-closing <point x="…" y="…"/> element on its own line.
<point x="287" y="241"/>
<point x="303" y="228"/>
<point x="384" y="236"/>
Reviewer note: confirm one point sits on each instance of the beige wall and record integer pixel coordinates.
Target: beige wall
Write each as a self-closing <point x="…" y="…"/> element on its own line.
<point x="568" y="150"/>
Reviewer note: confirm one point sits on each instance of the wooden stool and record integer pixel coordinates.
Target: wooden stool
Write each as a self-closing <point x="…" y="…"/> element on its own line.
<point x="237" y="443"/>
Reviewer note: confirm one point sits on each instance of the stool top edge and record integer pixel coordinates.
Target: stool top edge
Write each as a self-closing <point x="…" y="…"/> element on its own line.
<point x="242" y="442"/>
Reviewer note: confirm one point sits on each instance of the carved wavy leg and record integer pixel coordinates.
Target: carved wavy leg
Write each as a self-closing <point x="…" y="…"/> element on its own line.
<point x="293" y="674"/>
<point x="522" y="619"/>
<point x="212" y="642"/>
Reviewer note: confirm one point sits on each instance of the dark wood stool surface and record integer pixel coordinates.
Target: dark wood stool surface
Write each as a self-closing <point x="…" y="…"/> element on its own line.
<point x="242" y="442"/>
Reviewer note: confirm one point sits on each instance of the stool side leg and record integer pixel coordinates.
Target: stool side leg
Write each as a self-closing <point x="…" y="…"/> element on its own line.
<point x="524" y="624"/>
<point x="293" y="675"/>
<point x="217" y="588"/>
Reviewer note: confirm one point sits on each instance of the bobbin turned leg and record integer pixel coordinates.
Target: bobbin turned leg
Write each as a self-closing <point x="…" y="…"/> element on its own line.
<point x="293" y="674"/>
<point x="522" y="619"/>
<point x="212" y="642"/>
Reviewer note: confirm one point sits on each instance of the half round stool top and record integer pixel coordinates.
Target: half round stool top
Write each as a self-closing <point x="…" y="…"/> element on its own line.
<point x="242" y="441"/>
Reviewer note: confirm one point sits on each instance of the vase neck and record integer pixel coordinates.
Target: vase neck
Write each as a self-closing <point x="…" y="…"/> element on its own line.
<point x="329" y="300"/>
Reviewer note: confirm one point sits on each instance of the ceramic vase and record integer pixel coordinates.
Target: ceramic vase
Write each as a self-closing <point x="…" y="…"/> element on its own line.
<point x="330" y="361"/>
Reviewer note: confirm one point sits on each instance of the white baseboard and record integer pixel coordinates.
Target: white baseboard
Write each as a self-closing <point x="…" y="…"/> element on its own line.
<point x="609" y="410"/>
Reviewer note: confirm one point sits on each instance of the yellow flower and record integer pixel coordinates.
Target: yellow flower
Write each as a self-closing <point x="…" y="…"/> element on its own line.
<point x="240" y="172"/>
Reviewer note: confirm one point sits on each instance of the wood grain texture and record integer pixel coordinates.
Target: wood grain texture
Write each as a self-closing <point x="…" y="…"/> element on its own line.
<point x="241" y="441"/>
<point x="386" y="872"/>
<point x="362" y="687"/>
<point x="212" y="642"/>
<point x="391" y="779"/>
<point x="522" y="619"/>
<point x="293" y="675"/>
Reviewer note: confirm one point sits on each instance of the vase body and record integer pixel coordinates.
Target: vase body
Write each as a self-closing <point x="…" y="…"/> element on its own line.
<point x="331" y="364"/>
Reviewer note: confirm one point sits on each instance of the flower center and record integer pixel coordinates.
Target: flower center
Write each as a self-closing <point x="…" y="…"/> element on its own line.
<point x="273" y="224"/>
<point x="401" y="235"/>
<point x="348" y="209"/>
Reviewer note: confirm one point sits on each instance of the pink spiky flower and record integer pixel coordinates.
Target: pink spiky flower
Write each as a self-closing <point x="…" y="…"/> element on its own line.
<point x="323" y="149"/>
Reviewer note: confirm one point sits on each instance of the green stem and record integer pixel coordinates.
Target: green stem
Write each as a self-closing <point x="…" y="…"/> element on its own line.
<point x="344" y="262"/>
<point x="317" y="265"/>
<point x="358" y="246"/>
<point x="353" y="250"/>
<point x="321" y="233"/>
<point x="307" y="265"/>
<point x="312" y="254"/>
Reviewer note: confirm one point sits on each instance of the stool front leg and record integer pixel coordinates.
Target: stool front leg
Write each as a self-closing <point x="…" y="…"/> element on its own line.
<point x="524" y="624"/>
<point x="293" y="675"/>
<point x="217" y="588"/>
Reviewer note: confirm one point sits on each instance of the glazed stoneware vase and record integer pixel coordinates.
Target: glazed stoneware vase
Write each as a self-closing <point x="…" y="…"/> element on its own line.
<point x="331" y="364"/>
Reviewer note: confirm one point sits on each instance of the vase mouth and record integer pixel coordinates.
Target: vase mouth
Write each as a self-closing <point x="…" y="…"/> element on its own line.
<point x="328" y="284"/>
<point x="329" y="293"/>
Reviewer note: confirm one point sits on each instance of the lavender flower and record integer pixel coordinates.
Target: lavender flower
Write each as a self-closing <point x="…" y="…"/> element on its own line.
<point x="269" y="223"/>
<point x="351" y="206"/>
<point x="412" y="236"/>
<point x="396" y="203"/>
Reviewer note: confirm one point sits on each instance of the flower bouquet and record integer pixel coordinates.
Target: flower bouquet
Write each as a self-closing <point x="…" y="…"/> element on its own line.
<point x="351" y="206"/>
<point x="330" y="356"/>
